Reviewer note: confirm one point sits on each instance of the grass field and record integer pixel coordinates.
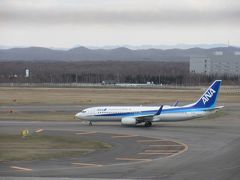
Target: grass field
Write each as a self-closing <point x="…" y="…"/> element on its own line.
<point x="38" y="147"/>
<point x="95" y="96"/>
<point x="37" y="116"/>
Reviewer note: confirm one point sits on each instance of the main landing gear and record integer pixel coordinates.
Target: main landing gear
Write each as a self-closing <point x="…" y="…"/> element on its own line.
<point x="90" y="123"/>
<point x="148" y="124"/>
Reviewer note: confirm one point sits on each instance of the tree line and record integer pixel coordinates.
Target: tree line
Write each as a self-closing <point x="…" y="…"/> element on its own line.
<point x="172" y="73"/>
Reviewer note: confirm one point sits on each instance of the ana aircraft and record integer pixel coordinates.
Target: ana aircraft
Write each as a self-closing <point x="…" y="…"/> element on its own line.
<point x="132" y="115"/>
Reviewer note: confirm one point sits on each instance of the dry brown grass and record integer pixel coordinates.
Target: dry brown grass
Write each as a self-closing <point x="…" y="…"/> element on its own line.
<point x="37" y="116"/>
<point x="94" y="96"/>
<point x="39" y="146"/>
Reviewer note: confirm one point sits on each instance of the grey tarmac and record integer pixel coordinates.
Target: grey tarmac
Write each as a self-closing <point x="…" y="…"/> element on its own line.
<point x="212" y="150"/>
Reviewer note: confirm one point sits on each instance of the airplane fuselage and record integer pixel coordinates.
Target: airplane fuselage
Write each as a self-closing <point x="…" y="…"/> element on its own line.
<point x="117" y="113"/>
<point x="132" y="115"/>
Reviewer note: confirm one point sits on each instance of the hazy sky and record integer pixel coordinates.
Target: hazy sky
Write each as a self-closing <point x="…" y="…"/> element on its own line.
<point x="67" y="23"/>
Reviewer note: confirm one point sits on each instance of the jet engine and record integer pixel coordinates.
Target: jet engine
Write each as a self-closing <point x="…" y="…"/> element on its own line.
<point x="129" y="121"/>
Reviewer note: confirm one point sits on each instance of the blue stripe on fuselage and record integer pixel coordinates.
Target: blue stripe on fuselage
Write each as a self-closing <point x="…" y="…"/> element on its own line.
<point x="152" y="112"/>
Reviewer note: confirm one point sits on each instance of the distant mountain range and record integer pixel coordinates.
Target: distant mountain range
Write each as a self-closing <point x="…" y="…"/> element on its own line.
<point x="105" y="54"/>
<point x="163" y="47"/>
<point x="135" y="47"/>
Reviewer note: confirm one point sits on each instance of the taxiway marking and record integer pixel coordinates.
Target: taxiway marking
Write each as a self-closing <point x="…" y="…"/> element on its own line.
<point x="159" y="145"/>
<point x="183" y="150"/>
<point x="133" y="159"/>
<point x="87" y="164"/>
<point x="124" y="136"/>
<point x="161" y="151"/>
<point x="82" y="133"/>
<point x="20" y="168"/>
<point x="152" y="153"/>
<point x="39" y="130"/>
<point x="151" y="140"/>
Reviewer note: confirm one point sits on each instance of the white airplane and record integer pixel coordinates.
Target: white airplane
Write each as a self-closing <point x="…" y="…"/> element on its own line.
<point x="133" y="115"/>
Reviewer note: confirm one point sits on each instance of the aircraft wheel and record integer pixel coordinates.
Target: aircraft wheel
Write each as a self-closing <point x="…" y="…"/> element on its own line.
<point x="148" y="123"/>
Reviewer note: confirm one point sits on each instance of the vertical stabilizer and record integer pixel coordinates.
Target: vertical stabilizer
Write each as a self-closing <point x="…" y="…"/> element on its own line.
<point x="209" y="98"/>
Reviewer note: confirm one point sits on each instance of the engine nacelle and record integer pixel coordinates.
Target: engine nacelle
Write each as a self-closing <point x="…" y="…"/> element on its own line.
<point x="129" y="121"/>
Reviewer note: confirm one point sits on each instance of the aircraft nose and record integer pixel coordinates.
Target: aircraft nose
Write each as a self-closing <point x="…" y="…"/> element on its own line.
<point x="78" y="115"/>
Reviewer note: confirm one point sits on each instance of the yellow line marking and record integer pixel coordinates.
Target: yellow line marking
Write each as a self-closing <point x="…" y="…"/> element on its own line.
<point x="185" y="149"/>
<point x="133" y="159"/>
<point x="39" y="130"/>
<point x="158" y="145"/>
<point x="162" y="151"/>
<point x="93" y="132"/>
<point x="124" y="136"/>
<point x="87" y="164"/>
<point x="152" y="153"/>
<point x="151" y="140"/>
<point x="20" y="168"/>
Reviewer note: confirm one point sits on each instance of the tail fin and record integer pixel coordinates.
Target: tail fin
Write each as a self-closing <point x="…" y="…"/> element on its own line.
<point x="209" y="98"/>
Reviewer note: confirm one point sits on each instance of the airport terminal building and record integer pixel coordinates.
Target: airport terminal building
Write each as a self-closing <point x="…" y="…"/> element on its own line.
<point x="216" y="64"/>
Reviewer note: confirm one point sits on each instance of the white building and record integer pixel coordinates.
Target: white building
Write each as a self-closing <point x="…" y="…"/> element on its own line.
<point x="216" y="64"/>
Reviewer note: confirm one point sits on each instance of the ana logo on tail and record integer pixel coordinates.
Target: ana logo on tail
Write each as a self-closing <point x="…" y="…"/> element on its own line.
<point x="208" y="95"/>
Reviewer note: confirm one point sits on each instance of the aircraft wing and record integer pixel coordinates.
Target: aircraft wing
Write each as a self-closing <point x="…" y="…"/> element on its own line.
<point x="148" y="117"/>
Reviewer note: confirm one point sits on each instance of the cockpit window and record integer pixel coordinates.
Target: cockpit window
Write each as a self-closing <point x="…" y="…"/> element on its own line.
<point x="84" y="111"/>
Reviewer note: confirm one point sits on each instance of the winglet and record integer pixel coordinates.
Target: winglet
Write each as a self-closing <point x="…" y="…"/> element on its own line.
<point x="159" y="111"/>
<point x="176" y="103"/>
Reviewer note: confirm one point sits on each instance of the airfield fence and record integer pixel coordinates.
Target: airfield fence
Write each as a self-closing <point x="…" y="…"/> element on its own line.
<point x="95" y="85"/>
<point x="228" y="89"/>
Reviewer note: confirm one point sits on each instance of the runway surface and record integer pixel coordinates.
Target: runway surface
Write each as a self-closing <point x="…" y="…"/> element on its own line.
<point x="201" y="149"/>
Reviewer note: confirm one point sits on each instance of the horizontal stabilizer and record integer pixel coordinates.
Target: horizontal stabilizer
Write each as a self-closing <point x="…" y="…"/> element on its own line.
<point x="216" y="108"/>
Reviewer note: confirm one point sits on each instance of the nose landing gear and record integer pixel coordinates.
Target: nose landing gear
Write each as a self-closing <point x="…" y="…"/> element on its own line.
<point x="90" y="123"/>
